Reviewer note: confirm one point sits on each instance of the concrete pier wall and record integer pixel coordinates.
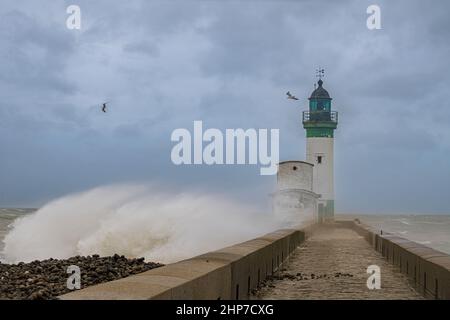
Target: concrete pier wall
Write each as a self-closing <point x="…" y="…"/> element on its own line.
<point x="228" y="273"/>
<point x="428" y="269"/>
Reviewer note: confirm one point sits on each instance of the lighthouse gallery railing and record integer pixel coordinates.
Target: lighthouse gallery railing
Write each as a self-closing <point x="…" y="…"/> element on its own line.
<point x="320" y="116"/>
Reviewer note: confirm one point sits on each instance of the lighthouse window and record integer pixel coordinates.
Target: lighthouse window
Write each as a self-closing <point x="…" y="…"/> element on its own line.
<point x="319" y="159"/>
<point x="320" y="105"/>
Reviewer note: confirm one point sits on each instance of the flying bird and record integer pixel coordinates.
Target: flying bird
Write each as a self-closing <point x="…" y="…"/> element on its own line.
<point x="104" y="107"/>
<point x="290" y="96"/>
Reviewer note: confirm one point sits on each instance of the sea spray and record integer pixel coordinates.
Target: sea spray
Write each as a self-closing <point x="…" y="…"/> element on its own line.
<point x="133" y="220"/>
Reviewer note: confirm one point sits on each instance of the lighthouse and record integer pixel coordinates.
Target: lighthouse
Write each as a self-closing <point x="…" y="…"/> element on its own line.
<point x="320" y="122"/>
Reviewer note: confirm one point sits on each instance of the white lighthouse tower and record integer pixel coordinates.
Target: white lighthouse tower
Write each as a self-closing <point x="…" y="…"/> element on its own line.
<point x="320" y="122"/>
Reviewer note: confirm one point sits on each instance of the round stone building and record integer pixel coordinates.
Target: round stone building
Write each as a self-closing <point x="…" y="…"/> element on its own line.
<point x="294" y="201"/>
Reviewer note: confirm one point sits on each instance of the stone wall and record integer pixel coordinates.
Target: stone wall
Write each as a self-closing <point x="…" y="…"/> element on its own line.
<point x="228" y="273"/>
<point x="428" y="269"/>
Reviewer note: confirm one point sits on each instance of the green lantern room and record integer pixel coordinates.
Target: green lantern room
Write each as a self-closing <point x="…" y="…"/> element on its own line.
<point x="320" y="121"/>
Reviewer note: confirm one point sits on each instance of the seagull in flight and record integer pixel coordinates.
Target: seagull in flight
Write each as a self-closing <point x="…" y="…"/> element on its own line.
<point x="290" y="96"/>
<point x="104" y="107"/>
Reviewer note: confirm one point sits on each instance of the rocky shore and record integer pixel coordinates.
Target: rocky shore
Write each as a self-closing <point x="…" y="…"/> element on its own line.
<point x="47" y="279"/>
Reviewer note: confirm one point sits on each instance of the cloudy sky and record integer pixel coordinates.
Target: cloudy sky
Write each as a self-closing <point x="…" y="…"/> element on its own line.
<point x="164" y="64"/>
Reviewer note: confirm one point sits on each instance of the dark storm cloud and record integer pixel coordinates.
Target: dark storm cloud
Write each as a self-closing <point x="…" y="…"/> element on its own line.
<point x="33" y="55"/>
<point x="164" y="64"/>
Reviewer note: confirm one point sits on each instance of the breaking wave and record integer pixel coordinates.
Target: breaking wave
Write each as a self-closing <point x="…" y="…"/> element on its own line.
<point x="135" y="221"/>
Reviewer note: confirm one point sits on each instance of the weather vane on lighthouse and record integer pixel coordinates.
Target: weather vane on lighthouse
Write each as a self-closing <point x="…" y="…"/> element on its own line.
<point x="320" y="73"/>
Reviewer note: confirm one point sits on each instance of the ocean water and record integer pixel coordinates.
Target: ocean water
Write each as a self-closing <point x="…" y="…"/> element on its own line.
<point x="430" y="230"/>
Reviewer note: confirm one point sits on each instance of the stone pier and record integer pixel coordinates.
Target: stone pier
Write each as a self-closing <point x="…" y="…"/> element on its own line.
<point x="332" y="264"/>
<point x="319" y="261"/>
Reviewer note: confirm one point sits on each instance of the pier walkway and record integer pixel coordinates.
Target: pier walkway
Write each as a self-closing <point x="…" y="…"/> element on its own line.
<point x="332" y="264"/>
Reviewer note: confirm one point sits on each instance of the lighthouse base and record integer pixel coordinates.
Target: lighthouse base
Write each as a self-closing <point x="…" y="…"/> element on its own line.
<point x="326" y="211"/>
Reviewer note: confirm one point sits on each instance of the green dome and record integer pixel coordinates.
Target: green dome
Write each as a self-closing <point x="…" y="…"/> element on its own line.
<point x="320" y="92"/>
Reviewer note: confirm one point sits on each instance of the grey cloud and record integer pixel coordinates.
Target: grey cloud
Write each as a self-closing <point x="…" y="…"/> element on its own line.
<point x="164" y="64"/>
<point x="147" y="48"/>
<point x="35" y="54"/>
